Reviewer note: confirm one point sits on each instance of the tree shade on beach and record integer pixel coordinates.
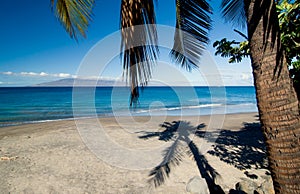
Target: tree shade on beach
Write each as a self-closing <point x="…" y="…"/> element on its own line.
<point x="277" y="101"/>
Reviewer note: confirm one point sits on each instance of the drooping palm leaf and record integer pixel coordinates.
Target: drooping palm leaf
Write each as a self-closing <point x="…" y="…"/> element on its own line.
<point x="241" y="34"/>
<point x="139" y="43"/>
<point x="234" y="11"/>
<point x="193" y="22"/>
<point x="74" y="15"/>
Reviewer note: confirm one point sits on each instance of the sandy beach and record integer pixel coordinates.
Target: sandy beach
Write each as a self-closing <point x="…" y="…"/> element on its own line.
<point x="55" y="157"/>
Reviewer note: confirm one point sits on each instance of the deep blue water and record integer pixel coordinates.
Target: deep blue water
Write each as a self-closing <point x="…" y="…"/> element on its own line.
<point x="35" y="104"/>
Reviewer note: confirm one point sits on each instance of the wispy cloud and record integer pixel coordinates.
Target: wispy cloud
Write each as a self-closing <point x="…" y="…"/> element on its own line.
<point x="62" y="75"/>
<point x="7" y="73"/>
<point x="40" y="74"/>
<point x="56" y="75"/>
<point x="44" y="74"/>
<point x="9" y="78"/>
<point x="246" y="76"/>
<point x="29" y="74"/>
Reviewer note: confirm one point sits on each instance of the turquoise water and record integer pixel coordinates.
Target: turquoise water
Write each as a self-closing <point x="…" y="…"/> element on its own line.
<point x="40" y="104"/>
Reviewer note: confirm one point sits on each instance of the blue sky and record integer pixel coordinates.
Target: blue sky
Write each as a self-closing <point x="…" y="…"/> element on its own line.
<point x="35" y="48"/>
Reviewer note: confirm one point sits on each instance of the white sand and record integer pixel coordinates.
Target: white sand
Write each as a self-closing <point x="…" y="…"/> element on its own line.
<point x="52" y="158"/>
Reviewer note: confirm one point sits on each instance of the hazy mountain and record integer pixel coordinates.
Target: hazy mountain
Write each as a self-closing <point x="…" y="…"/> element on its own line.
<point x="82" y="82"/>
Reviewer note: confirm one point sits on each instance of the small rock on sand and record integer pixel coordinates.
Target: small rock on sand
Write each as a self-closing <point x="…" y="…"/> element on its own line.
<point x="197" y="185"/>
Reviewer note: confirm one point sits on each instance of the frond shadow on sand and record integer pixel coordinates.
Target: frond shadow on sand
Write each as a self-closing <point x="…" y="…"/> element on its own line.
<point x="244" y="149"/>
<point x="178" y="132"/>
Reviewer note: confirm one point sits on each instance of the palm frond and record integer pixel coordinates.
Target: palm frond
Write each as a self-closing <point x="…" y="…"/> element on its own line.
<point x="241" y="34"/>
<point x="234" y="11"/>
<point x="172" y="157"/>
<point x="139" y="43"/>
<point x="193" y="23"/>
<point x="74" y="15"/>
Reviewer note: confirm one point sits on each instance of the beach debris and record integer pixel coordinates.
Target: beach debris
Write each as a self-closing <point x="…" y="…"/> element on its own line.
<point x="7" y="158"/>
<point x="246" y="186"/>
<point x="264" y="185"/>
<point x="197" y="185"/>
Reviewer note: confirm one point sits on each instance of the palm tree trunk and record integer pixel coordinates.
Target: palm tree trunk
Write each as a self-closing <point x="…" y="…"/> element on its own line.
<point x="277" y="101"/>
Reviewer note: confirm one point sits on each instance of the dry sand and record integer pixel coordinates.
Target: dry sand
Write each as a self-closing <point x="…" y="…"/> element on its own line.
<point x="52" y="157"/>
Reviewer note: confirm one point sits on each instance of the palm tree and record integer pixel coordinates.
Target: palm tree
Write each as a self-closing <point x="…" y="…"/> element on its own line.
<point x="277" y="101"/>
<point x="276" y="97"/>
<point x="289" y="23"/>
<point x="137" y="28"/>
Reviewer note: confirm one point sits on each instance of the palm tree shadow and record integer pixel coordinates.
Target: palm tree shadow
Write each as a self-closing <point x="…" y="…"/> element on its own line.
<point x="178" y="132"/>
<point x="244" y="149"/>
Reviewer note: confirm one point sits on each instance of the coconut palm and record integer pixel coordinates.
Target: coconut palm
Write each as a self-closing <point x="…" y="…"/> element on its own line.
<point x="276" y="97"/>
<point x="137" y="28"/>
<point x="289" y="24"/>
<point x="277" y="101"/>
<point x="74" y="15"/>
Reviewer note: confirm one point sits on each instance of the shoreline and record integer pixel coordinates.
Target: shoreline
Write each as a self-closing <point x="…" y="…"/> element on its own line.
<point x="29" y="127"/>
<point x="13" y="129"/>
<point x="18" y="123"/>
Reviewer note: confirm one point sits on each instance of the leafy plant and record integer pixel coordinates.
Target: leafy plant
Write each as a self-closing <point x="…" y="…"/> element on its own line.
<point x="289" y="22"/>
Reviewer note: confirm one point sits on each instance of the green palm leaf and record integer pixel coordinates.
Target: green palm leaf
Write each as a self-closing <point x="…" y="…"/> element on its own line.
<point x="139" y="43"/>
<point x="234" y="11"/>
<point x="74" y="15"/>
<point x="193" y="22"/>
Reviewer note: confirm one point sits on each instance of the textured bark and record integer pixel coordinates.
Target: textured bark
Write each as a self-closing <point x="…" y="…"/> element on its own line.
<point x="277" y="101"/>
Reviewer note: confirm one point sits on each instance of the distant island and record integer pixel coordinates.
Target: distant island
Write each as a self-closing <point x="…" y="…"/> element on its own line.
<point x="81" y="82"/>
<point x="69" y="82"/>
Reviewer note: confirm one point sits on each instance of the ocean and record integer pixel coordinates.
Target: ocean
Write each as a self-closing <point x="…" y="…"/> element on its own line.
<point x="20" y="105"/>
